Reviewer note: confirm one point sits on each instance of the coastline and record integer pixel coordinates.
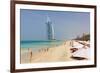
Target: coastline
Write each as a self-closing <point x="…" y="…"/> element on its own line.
<point x="59" y="53"/>
<point x="53" y="54"/>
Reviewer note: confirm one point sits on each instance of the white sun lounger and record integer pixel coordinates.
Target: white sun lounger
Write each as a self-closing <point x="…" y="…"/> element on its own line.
<point x="82" y="52"/>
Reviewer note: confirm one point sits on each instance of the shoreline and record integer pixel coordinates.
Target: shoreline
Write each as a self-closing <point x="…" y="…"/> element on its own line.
<point x="54" y="54"/>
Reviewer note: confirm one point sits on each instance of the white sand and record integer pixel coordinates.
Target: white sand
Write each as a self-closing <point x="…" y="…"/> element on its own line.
<point x="57" y="53"/>
<point x="54" y="54"/>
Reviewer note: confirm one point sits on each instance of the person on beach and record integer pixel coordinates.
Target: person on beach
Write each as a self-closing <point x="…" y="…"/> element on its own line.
<point x="71" y="43"/>
<point x="30" y="54"/>
<point x="47" y="49"/>
<point x="64" y="43"/>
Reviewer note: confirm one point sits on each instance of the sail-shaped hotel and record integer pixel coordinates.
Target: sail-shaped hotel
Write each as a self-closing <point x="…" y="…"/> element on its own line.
<point x="50" y="29"/>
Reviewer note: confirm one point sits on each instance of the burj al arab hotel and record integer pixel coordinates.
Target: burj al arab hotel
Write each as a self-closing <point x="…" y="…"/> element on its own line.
<point x="50" y="29"/>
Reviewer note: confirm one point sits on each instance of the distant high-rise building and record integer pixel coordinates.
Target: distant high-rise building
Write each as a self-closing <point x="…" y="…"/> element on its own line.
<point x="50" y="29"/>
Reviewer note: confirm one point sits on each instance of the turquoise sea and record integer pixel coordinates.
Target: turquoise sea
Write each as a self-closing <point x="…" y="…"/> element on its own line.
<point x="39" y="44"/>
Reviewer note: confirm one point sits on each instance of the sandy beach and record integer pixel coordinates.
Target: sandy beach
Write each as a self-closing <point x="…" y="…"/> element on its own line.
<point x="54" y="54"/>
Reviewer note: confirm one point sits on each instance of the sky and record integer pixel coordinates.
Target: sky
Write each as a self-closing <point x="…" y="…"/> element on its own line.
<point x="67" y="24"/>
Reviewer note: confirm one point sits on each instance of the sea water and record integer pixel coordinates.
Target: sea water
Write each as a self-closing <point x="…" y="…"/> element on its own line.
<point x="39" y="44"/>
